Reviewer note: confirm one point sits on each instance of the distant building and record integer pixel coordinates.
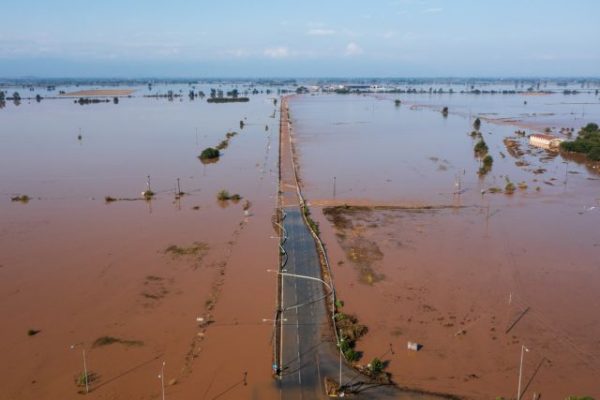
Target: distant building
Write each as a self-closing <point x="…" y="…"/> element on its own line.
<point x="544" y="141"/>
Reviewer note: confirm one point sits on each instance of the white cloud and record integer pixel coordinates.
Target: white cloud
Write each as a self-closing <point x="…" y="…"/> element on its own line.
<point x="277" y="52"/>
<point x="320" y="32"/>
<point x="434" y="10"/>
<point x="389" y="34"/>
<point x="236" y="53"/>
<point x="352" y="49"/>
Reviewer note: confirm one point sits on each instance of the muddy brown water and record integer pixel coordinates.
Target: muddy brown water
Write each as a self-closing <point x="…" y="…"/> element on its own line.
<point x="456" y="279"/>
<point x="77" y="269"/>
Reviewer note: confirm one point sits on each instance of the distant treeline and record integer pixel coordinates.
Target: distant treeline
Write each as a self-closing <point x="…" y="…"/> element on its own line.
<point x="86" y="100"/>
<point x="227" y="99"/>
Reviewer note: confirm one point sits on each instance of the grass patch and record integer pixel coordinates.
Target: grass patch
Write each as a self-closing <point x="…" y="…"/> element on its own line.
<point x="83" y="379"/>
<point x="108" y="340"/>
<point x="195" y="249"/>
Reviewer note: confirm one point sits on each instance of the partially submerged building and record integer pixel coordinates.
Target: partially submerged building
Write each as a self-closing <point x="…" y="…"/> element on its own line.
<point x="545" y="141"/>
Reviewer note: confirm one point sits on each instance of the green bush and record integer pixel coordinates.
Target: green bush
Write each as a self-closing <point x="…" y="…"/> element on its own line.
<point x="376" y="366"/>
<point x="209" y="153"/>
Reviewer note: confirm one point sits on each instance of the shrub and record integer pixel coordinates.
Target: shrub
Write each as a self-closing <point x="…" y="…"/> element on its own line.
<point x="351" y="355"/>
<point x="509" y="188"/>
<point x="376" y="366"/>
<point x="210" y="153"/>
<point x="223" y="195"/>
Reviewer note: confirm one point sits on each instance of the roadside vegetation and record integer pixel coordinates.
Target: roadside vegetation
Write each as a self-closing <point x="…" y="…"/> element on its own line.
<point x="349" y="331"/>
<point x="313" y="225"/>
<point x="587" y="142"/>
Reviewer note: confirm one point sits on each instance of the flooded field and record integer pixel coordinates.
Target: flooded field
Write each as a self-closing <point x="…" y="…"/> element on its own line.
<point x="178" y="278"/>
<point x="427" y="250"/>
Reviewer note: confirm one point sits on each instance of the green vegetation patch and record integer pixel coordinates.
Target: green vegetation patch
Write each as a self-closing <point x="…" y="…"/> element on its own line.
<point x="197" y="248"/>
<point x="108" y="340"/>
<point x="587" y="142"/>
<point x="210" y="153"/>
<point x="224" y="195"/>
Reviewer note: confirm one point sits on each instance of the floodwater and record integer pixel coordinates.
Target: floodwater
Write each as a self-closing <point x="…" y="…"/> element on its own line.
<point x="78" y="269"/>
<point x="482" y="275"/>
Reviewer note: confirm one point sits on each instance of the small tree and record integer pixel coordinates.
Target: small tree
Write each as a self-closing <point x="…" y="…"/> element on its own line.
<point x="397" y="102"/>
<point x="480" y="148"/>
<point x="209" y="153"/>
<point x="116" y="100"/>
<point x="477" y="124"/>
<point x="445" y="111"/>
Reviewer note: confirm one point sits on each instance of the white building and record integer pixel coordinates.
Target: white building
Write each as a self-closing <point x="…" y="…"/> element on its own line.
<point x="544" y="141"/>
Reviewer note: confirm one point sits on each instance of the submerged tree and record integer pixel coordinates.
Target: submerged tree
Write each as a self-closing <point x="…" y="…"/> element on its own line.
<point x="477" y="124"/>
<point x="480" y="148"/>
<point x="445" y="111"/>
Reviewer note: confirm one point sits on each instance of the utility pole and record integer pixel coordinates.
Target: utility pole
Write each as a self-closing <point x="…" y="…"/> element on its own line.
<point x="523" y="350"/>
<point x="162" y="379"/>
<point x="334" y="187"/>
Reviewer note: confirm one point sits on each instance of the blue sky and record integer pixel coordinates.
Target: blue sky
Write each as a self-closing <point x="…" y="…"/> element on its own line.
<point x="388" y="38"/>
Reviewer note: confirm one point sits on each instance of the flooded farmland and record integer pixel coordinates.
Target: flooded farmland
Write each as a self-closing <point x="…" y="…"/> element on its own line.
<point x="178" y="278"/>
<point x="425" y="249"/>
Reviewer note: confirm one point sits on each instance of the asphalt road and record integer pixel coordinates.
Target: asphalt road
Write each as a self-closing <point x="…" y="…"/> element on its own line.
<point x="308" y="350"/>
